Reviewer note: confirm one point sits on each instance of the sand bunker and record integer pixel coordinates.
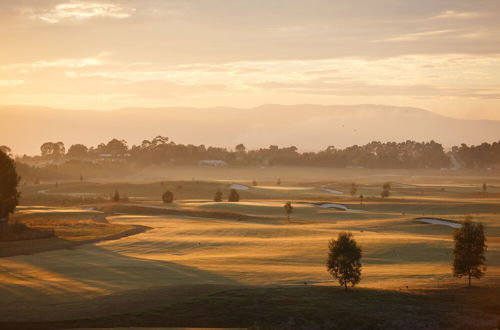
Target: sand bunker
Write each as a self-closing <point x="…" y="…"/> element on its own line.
<point x="238" y="186"/>
<point x="436" y="221"/>
<point x="332" y="191"/>
<point x="334" y="206"/>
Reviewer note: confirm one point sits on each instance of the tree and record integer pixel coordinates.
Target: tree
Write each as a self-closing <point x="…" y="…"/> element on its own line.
<point x="81" y="177"/>
<point x="288" y="209"/>
<point x="386" y="190"/>
<point x="168" y="197"/>
<point x="354" y="189"/>
<point x="218" y="196"/>
<point x="233" y="196"/>
<point x="6" y="150"/>
<point x="52" y="150"/>
<point x="468" y="254"/>
<point x="485" y="188"/>
<point x="77" y="151"/>
<point x="278" y="182"/>
<point x="240" y="148"/>
<point x="9" y="196"/>
<point x="344" y="260"/>
<point x="361" y="197"/>
<point x="116" y="196"/>
<point x="254" y="183"/>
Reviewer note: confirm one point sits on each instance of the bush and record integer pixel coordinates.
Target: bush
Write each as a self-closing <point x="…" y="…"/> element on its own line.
<point x="218" y="196"/>
<point x="167" y="197"/>
<point x="233" y="196"/>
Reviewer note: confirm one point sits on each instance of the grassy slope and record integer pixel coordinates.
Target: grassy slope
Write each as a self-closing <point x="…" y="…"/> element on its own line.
<point x="303" y="307"/>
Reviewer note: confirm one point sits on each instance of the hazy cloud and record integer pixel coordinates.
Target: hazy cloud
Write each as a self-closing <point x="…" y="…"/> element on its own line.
<point x="80" y="10"/>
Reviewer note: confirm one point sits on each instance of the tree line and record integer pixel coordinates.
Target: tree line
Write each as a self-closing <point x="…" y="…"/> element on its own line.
<point x="161" y="150"/>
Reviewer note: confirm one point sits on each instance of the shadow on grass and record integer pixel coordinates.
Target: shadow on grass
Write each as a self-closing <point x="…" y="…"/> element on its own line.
<point x="307" y="307"/>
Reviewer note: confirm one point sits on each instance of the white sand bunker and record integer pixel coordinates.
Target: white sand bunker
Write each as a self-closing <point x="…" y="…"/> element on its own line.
<point x="238" y="186"/>
<point x="436" y="221"/>
<point x="334" y="206"/>
<point x="332" y="191"/>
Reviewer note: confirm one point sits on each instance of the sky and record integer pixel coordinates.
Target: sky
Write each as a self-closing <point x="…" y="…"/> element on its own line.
<point x="440" y="55"/>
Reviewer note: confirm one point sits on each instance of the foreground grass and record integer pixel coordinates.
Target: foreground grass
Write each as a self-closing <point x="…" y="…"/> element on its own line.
<point x="305" y="307"/>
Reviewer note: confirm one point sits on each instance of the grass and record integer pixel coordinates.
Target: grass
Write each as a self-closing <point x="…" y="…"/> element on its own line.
<point x="303" y="307"/>
<point x="243" y="264"/>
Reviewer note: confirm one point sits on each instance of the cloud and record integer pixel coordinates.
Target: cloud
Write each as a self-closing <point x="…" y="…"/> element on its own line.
<point x="456" y="14"/>
<point x="8" y="83"/>
<point x="80" y="10"/>
<point x="415" y="36"/>
<point x="59" y="63"/>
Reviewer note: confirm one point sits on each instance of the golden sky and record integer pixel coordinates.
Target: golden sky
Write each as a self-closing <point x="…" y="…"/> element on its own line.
<point x="441" y="55"/>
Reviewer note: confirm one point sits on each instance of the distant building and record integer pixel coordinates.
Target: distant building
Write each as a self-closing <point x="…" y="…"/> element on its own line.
<point x="214" y="163"/>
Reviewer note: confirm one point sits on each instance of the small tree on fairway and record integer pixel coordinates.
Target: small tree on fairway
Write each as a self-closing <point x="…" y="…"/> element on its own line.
<point x="468" y="254"/>
<point x="218" y="196"/>
<point x="344" y="260"/>
<point x="386" y="190"/>
<point x="116" y="196"/>
<point x="254" y="182"/>
<point x="485" y="188"/>
<point x="278" y="182"/>
<point x="354" y="189"/>
<point x="288" y="209"/>
<point x="361" y="197"/>
<point x="233" y="196"/>
<point x="167" y="197"/>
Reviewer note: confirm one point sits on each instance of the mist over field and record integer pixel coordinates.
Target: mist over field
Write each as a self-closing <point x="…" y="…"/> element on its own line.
<point x="250" y="164"/>
<point x="308" y="127"/>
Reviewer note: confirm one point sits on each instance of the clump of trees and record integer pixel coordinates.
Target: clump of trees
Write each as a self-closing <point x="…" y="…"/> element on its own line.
<point x="218" y="196"/>
<point x="470" y="247"/>
<point x="168" y="197"/>
<point x="9" y="180"/>
<point x="344" y="260"/>
<point x="288" y="209"/>
<point x="233" y="196"/>
<point x="386" y="190"/>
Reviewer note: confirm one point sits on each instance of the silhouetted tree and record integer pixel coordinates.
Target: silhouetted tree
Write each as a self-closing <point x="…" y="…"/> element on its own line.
<point x="81" y="177"/>
<point x="9" y="196"/>
<point x="288" y="209"/>
<point x="218" y="196"/>
<point x="77" y="151"/>
<point x="354" y="189"/>
<point x="386" y="190"/>
<point x="344" y="260"/>
<point x="6" y="150"/>
<point x="168" y="197"/>
<point x="485" y="188"/>
<point x="240" y="148"/>
<point x="254" y="183"/>
<point x="361" y="197"/>
<point x="278" y="182"/>
<point x="470" y="246"/>
<point x="116" y="196"/>
<point x="233" y="196"/>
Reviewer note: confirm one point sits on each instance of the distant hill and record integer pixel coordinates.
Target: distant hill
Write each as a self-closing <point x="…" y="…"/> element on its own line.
<point x="309" y="127"/>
